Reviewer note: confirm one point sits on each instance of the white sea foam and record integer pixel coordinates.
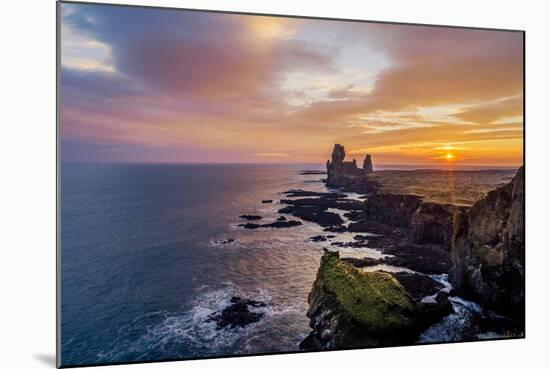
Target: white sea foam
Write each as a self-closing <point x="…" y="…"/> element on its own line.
<point x="194" y="330"/>
<point x="454" y="326"/>
<point x="489" y="335"/>
<point x="444" y="280"/>
<point x="387" y="268"/>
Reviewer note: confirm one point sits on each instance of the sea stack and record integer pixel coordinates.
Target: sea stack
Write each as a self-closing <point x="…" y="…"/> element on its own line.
<point x="367" y="164"/>
<point x="338" y="154"/>
<point x="346" y="174"/>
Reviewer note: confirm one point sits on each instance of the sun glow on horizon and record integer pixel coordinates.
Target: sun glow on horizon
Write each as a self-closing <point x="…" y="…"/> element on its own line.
<point x="285" y="90"/>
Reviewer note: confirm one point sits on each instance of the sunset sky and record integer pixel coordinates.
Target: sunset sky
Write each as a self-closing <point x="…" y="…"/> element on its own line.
<point x="152" y="85"/>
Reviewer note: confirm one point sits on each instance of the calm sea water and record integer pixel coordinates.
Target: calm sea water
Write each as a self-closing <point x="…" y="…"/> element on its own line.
<point x="144" y="263"/>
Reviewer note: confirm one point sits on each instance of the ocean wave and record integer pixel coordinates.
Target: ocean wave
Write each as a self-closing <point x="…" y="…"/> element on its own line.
<point x="191" y="333"/>
<point x="456" y="326"/>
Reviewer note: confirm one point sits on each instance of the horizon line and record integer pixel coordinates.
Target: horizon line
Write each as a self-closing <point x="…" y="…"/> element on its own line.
<point x="420" y="166"/>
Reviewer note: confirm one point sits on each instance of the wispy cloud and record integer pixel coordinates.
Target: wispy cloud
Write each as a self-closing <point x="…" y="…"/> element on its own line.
<point x="191" y="86"/>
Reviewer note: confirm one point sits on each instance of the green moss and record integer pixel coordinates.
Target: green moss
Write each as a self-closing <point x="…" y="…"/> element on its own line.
<point x="375" y="299"/>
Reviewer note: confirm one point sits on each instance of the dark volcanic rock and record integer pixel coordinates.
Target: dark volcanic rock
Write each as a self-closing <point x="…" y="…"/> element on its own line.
<point x="319" y="238"/>
<point x="418" y="285"/>
<point x="361" y="263"/>
<point x="283" y="224"/>
<point x="355" y="215"/>
<point x="433" y="223"/>
<point x="237" y="314"/>
<point x="314" y="214"/>
<point x="277" y="224"/>
<point x="328" y="201"/>
<point x="281" y="218"/>
<point x="361" y="237"/>
<point x="428" y="222"/>
<point x="250" y="217"/>
<point x="302" y="193"/>
<point x="428" y="259"/>
<point x="267" y="201"/>
<point x="374" y="227"/>
<point x="489" y="249"/>
<point x="338" y="154"/>
<point x="353" y="244"/>
<point x="396" y="241"/>
<point x="392" y="209"/>
<point x="346" y="174"/>
<point x="367" y="164"/>
<point x="251" y="225"/>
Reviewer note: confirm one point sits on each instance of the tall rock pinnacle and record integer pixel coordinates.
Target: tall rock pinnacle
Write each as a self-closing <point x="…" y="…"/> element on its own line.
<point x="367" y="164"/>
<point x="338" y="154"/>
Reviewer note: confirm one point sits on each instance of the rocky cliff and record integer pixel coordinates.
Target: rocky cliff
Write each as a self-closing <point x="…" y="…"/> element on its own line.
<point x="346" y="174"/>
<point x="427" y="222"/>
<point x="488" y="249"/>
<point x="350" y="308"/>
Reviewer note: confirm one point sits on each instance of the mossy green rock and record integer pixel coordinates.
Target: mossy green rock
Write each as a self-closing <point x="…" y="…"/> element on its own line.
<point x="350" y="308"/>
<point x="374" y="299"/>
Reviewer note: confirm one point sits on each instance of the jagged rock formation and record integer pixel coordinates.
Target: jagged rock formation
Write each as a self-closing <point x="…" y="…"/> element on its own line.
<point x="350" y="308"/>
<point x="237" y="314"/>
<point x="338" y="154"/>
<point x="488" y="249"/>
<point x="346" y="174"/>
<point x="367" y="165"/>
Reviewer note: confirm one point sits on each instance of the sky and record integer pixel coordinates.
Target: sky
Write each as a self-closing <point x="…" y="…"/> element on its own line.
<point x="166" y="86"/>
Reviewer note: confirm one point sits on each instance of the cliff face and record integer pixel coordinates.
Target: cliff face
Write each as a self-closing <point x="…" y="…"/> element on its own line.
<point x="350" y="308"/>
<point x="392" y="209"/>
<point x="488" y="249"/>
<point x="428" y="222"/>
<point x="433" y="223"/>
<point x="346" y="174"/>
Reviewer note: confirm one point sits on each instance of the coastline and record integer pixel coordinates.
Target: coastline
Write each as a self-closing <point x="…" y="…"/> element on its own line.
<point x="358" y="243"/>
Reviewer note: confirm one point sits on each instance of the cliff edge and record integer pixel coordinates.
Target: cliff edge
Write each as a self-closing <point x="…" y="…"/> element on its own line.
<point x="488" y="249"/>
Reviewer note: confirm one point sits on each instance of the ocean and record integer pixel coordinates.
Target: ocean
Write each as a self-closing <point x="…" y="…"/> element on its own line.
<point x="145" y="261"/>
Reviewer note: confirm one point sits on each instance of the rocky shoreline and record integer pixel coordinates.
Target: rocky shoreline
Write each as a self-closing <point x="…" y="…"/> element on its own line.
<point x="480" y="248"/>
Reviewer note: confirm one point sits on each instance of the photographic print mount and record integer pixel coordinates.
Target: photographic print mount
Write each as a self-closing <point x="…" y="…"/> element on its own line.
<point x="199" y="216"/>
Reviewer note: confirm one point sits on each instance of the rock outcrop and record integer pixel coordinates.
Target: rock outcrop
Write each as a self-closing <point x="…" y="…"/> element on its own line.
<point x="346" y="174"/>
<point x="427" y="222"/>
<point x="276" y="224"/>
<point x="392" y="209"/>
<point x="488" y="249"/>
<point x="338" y="154"/>
<point x="237" y="314"/>
<point x="367" y="165"/>
<point x="433" y="223"/>
<point x="350" y="308"/>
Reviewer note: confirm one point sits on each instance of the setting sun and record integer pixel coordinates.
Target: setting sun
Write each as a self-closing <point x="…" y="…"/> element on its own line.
<point x="449" y="156"/>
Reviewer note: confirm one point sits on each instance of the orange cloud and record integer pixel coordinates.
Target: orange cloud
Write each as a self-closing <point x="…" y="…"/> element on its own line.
<point x="220" y="83"/>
